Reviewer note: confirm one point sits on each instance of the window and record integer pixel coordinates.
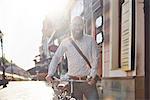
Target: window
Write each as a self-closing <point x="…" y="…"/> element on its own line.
<point x="128" y="35"/>
<point x="99" y="21"/>
<point x="120" y="20"/>
<point x="122" y="34"/>
<point x="99" y="32"/>
<point x="99" y="38"/>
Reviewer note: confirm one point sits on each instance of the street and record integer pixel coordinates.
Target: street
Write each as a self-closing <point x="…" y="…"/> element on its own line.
<point x="26" y="90"/>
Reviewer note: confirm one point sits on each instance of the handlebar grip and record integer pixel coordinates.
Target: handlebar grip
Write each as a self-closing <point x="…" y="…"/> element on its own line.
<point x="55" y="78"/>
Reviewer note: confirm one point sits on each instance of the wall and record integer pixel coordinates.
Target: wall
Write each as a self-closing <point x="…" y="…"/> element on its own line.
<point x="106" y="28"/>
<point x="140" y="37"/>
<point x="119" y="89"/>
<point x="117" y="83"/>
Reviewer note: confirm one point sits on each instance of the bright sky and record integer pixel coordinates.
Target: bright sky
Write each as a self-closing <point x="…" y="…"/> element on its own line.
<point x="21" y="23"/>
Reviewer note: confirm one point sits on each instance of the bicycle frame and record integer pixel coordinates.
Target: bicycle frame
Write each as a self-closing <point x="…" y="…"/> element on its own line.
<point x="63" y="94"/>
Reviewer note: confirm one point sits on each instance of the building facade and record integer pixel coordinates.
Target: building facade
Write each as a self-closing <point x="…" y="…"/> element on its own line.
<point x="123" y="57"/>
<point x="122" y="53"/>
<point x="147" y="48"/>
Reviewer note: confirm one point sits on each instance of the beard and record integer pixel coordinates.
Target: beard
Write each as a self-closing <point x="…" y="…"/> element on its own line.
<point x="77" y="34"/>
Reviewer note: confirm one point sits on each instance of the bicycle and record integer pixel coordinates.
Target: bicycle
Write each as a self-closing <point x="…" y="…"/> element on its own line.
<point x="64" y="88"/>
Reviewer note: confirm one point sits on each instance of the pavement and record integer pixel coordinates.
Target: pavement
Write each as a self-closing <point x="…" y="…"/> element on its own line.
<point x="26" y="90"/>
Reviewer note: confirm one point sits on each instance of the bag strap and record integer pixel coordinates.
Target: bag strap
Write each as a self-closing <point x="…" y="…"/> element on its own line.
<point x="80" y="52"/>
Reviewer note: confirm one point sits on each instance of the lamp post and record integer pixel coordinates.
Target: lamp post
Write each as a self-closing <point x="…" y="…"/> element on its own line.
<point x="2" y="61"/>
<point x="11" y="65"/>
<point x="36" y="71"/>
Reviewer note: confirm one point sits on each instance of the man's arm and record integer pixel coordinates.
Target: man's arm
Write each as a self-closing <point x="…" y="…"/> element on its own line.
<point x="94" y="59"/>
<point x="55" y="60"/>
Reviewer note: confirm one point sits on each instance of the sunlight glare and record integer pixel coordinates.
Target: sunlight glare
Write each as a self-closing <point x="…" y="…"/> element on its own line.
<point x="57" y="7"/>
<point x="21" y="18"/>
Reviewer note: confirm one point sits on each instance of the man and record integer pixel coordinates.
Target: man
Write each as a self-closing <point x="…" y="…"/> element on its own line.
<point x="77" y="66"/>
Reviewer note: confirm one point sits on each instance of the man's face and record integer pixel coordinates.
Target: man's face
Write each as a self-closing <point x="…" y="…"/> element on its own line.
<point x="77" y="28"/>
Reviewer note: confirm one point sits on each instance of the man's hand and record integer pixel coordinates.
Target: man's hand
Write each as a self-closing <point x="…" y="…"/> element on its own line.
<point x="49" y="79"/>
<point x="92" y="81"/>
